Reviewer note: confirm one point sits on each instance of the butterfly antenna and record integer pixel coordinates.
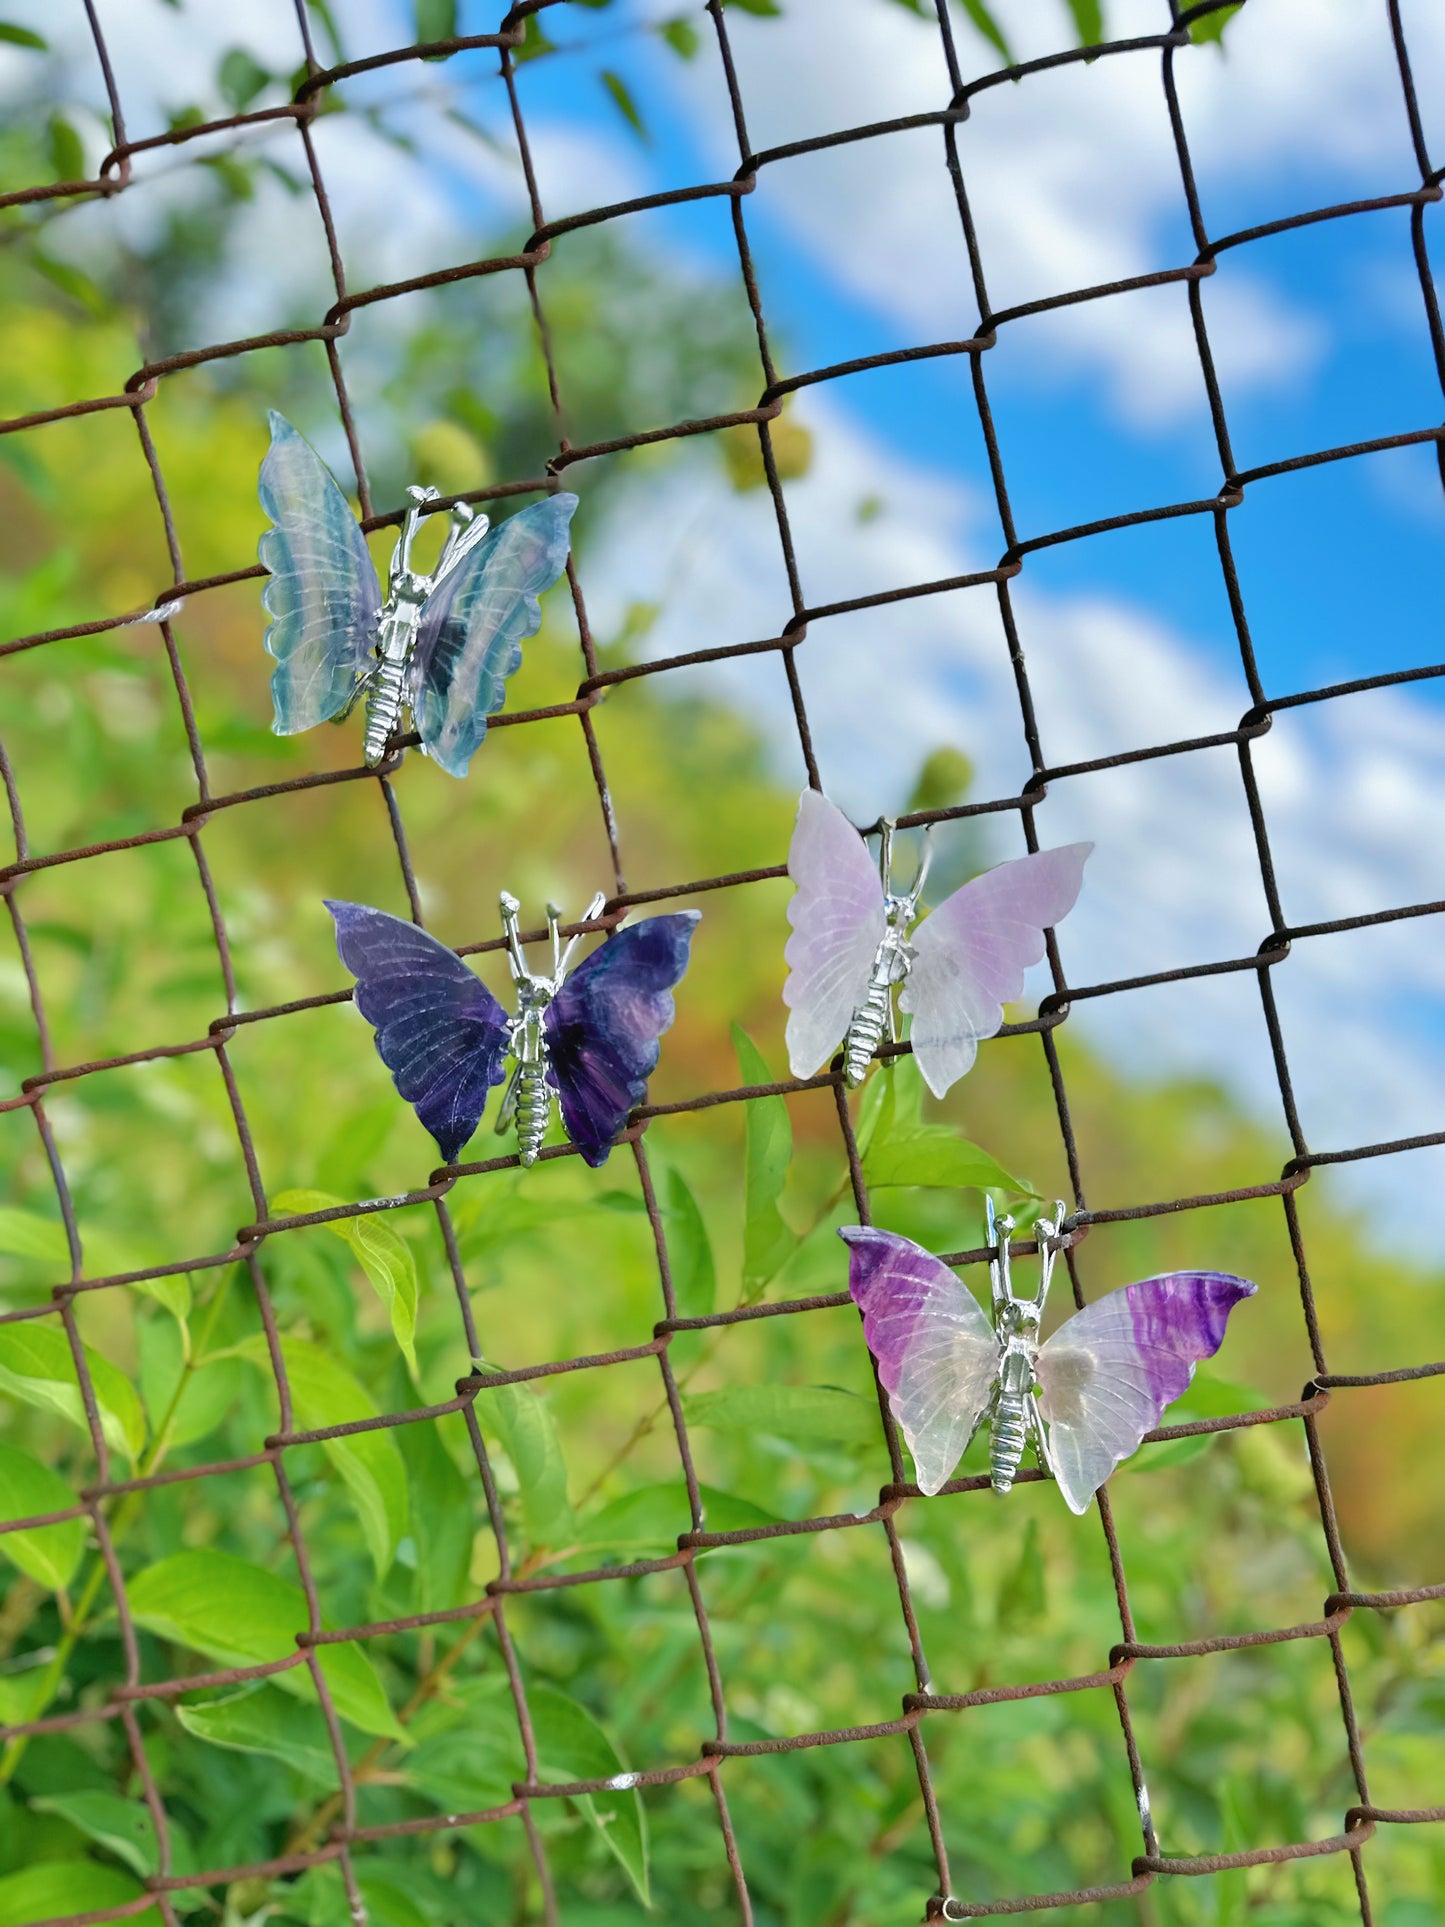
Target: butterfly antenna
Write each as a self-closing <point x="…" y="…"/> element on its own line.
<point x="998" y="1265"/>
<point x="925" y="860"/>
<point x="1048" y="1232"/>
<point x="515" y="959"/>
<point x="467" y="529"/>
<point x="594" y="909"/>
<point x="885" y="853"/>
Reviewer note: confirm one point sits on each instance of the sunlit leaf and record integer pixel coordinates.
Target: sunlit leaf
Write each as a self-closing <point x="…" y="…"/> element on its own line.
<point x="55" y="1889"/>
<point x="648" y="1521"/>
<point x="572" y="1746"/>
<point x="768" y="1239"/>
<point x="49" y="1554"/>
<point x="528" y="1433"/>
<point x="765" y="9"/>
<point x="1088" y="21"/>
<point x="983" y="19"/>
<point x="325" y="1393"/>
<point x="36" y="1366"/>
<point x="382" y="1253"/>
<point x="813" y="1412"/>
<point x="1210" y="26"/>
<point x="242" y="1615"/>
<point x="936" y="1156"/>
<point x="22" y="37"/>
<point x="435" y="20"/>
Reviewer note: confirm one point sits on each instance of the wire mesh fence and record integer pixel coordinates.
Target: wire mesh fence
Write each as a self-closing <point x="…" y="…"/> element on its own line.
<point x="344" y="1839"/>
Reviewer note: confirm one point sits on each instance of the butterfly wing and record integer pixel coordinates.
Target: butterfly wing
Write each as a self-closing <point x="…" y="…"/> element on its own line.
<point x="838" y="923"/>
<point x="1108" y="1372"/>
<point x="604" y="1024"/>
<point x="322" y="595"/>
<point x="473" y="626"/>
<point x="973" y="951"/>
<point x="439" y="1030"/>
<point x="936" y="1351"/>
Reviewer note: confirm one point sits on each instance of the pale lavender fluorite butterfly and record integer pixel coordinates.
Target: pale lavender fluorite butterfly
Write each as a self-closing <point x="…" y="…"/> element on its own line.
<point x="851" y="939"/>
<point x="1098" y="1385"/>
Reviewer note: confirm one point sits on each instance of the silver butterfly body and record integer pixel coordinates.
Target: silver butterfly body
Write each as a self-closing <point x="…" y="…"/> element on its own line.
<point x="875" y="1018"/>
<point x="387" y="685"/>
<point x="1013" y="1417"/>
<point x="529" y="1094"/>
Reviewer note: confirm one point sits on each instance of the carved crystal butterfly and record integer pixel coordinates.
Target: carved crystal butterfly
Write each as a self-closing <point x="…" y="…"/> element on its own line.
<point x="440" y="645"/>
<point x="852" y="942"/>
<point x="1084" y="1398"/>
<point x="588" y="1037"/>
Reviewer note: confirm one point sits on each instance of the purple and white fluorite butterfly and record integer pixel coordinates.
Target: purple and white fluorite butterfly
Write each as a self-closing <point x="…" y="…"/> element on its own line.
<point x="588" y="1037"/>
<point x="1084" y="1398"/>
<point x="852" y="942"/>
<point x="441" y="645"/>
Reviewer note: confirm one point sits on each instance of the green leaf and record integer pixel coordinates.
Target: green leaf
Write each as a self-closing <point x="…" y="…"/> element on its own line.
<point x="360" y="1137"/>
<point x="441" y="1519"/>
<point x="383" y="1255"/>
<point x="648" y="1520"/>
<point x="979" y="14"/>
<point x="811" y="1412"/>
<point x="765" y="9"/>
<point x="768" y="1239"/>
<point x="53" y="1889"/>
<point x="572" y="1746"/>
<point x="25" y="1234"/>
<point x="49" y="1554"/>
<point x="63" y="145"/>
<point x="1023" y="1595"/>
<point x="36" y="1367"/>
<point x="324" y="1393"/>
<point x="206" y="1394"/>
<point x="263" y="1719"/>
<point x="1210" y="26"/>
<point x="123" y="1827"/>
<point x="528" y="1432"/>
<point x="472" y="1767"/>
<point x="624" y="103"/>
<point x="682" y="36"/>
<point x="241" y="1615"/>
<point x="72" y="281"/>
<point x="22" y="37"/>
<point x="689" y="1251"/>
<point x="240" y="78"/>
<point x="1088" y="20"/>
<point x="945" y="778"/>
<point x="937" y="1157"/>
<point x="534" y="42"/>
<point x="435" y="20"/>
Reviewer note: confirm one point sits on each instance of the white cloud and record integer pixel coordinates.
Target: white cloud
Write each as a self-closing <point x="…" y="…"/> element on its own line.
<point x="1072" y="174"/>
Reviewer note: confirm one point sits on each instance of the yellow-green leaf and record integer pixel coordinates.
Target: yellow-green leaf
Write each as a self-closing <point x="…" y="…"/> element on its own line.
<point x="49" y="1554"/>
<point x="36" y="1366"/>
<point x="383" y="1255"/>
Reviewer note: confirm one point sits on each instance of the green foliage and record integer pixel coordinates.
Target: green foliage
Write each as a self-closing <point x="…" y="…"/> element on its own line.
<point x="28" y="1490"/>
<point x="52" y="1888"/>
<point x="22" y="37"/>
<point x="1209" y="27"/>
<point x="572" y="1746"/>
<point x="384" y="1256"/>
<point x="621" y="97"/>
<point x="787" y="1412"/>
<point x="768" y="1239"/>
<point x="1088" y="18"/>
<point x="37" y="1366"/>
<point x="524" y="1423"/>
<point x="241" y="1615"/>
<point x="681" y="35"/>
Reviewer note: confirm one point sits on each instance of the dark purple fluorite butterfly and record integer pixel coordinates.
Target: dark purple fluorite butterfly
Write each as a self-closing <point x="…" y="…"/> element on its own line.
<point x="588" y="1036"/>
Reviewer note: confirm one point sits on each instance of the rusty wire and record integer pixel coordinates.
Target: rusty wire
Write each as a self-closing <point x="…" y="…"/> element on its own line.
<point x="1362" y="1818"/>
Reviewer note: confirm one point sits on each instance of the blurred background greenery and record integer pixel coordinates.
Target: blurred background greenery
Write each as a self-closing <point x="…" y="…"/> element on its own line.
<point x="1221" y="1535"/>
